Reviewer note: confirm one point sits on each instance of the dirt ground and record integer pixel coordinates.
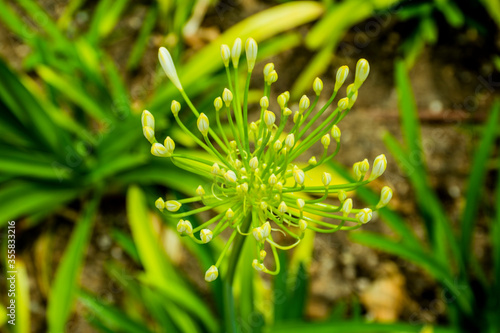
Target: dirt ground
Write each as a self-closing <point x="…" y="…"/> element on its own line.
<point x="448" y="81"/>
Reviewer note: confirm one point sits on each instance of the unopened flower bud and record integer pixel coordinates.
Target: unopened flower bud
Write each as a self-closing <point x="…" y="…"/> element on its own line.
<point x="149" y="134"/>
<point x="257" y="265"/>
<point x="282" y="208"/>
<point x="342" y="74"/>
<point x="287" y="112"/>
<point x="385" y="197"/>
<point x="203" y="124"/>
<point x="364" y="166"/>
<point x="173" y="205"/>
<point x="282" y="101"/>
<point x="147" y="119"/>
<point x="300" y="203"/>
<point x="269" y="118"/>
<point x="168" y="66"/>
<point x="290" y="141"/>
<point x="379" y="165"/>
<point x="200" y="191"/>
<point x="184" y="227"/>
<point x="215" y="169"/>
<point x="272" y="77"/>
<point x="230" y="176"/>
<point x="160" y="204"/>
<point x="268" y="68"/>
<point x="302" y="225"/>
<point x="272" y="179"/>
<point x="278" y="186"/>
<point x="254" y="162"/>
<point x="211" y="274"/>
<point x="325" y="140"/>
<point x="362" y="71"/>
<point x="277" y="145"/>
<point x="206" y="235"/>
<point x="364" y="215"/>
<point x="251" y="51"/>
<point x="336" y="133"/>
<point x="159" y="150"/>
<point x="299" y="176"/>
<point x="342" y="195"/>
<point x="354" y="97"/>
<point x="304" y="103"/>
<point x="254" y="127"/>
<point x="227" y="96"/>
<point x="326" y="178"/>
<point x="356" y="170"/>
<point x="236" y="52"/>
<point x="169" y="145"/>
<point x="229" y="214"/>
<point x="262" y="254"/>
<point x="175" y="107"/>
<point x="225" y="53"/>
<point x="347" y="206"/>
<point x="312" y="161"/>
<point x="343" y="103"/>
<point x="264" y="102"/>
<point x="317" y="86"/>
<point x="218" y="104"/>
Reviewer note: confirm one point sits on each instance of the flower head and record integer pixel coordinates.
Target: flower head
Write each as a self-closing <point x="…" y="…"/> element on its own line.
<point x="259" y="183"/>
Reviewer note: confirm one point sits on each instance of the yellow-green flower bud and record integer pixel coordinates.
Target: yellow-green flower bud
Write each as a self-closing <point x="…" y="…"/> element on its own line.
<point x="356" y="170"/>
<point x="203" y="124"/>
<point x="385" y="197"/>
<point x="206" y="235"/>
<point x="379" y="165"/>
<point x="268" y="68"/>
<point x="302" y="225"/>
<point x="312" y="161"/>
<point x="257" y="265"/>
<point x="200" y="191"/>
<point x="342" y="74"/>
<point x="227" y="96"/>
<point x="269" y="118"/>
<point x="211" y="274"/>
<point x="262" y="254"/>
<point x="326" y="178"/>
<point x="277" y="145"/>
<point x="225" y="54"/>
<point x="354" y="97"/>
<point x="175" y="107"/>
<point x="229" y="214"/>
<point x="342" y="195"/>
<point x="362" y="71"/>
<point x="169" y="145"/>
<point x="272" y="77"/>
<point x="300" y="203"/>
<point x="168" y="66"/>
<point x="290" y="140"/>
<point x="149" y="134"/>
<point x="215" y="169"/>
<point x="230" y="176"/>
<point x="264" y="102"/>
<point x="218" y="104"/>
<point x="347" y="206"/>
<point x="364" y="215"/>
<point x="325" y="140"/>
<point x="343" y="103"/>
<point x="287" y="112"/>
<point x="336" y="133"/>
<point x="282" y="208"/>
<point x="236" y="52"/>
<point x="299" y="176"/>
<point x="304" y="103"/>
<point x="160" y="204"/>
<point x="272" y="179"/>
<point x="159" y="150"/>
<point x="282" y="101"/>
<point x="184" y="227"/>
<point x="173" y="205"/>
<point x="253" y="127"/>
<point x="254" y="162"/>
<point x="147" y="119"/>
<point x="251" y="50"/>
<point x="317" y="86"/>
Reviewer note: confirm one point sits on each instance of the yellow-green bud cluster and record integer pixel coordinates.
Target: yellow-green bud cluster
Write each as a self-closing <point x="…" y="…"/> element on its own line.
<point x="258" y="183"/>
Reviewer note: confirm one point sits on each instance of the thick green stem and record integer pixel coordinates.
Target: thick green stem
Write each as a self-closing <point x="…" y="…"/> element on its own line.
<point x="229" y="309"/>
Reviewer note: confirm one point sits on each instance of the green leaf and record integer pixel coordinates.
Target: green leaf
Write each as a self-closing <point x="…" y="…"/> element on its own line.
<point x="142" y="40"/>
<point x="105" y="17"/>
<point x="126" y="243"/>
<point x="424" y="260"/>
<point x="159" y="271"/>
<point x="477" y="178"/>
<point x="493" y="8"/>
<point x="22" y="298"/>
<point x="354" y="327"/>
<point x="112" y="316"/>
<point x="495" y="237"/>
<point x="18" y="199"/>
<point x="63" y="289"/>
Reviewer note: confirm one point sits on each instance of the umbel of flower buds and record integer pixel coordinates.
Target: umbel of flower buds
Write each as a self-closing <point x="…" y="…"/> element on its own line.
<point x="258" y="185"/>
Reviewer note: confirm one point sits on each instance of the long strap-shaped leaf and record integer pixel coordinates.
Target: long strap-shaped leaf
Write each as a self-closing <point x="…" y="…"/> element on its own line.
<point x="477" y="178"/>
<point x="63" y="289"/>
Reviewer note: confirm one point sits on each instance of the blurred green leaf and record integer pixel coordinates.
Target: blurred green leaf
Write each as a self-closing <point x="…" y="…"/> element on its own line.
<point x="159" y="271"/>
<point x="110" y="315"/>
<point x="477" y="178"/>
<point x="105" y="17"/>
<point x="493" y="8"/>
<point x="23" y="321"/>
<point x="142" y="40"/>
<point x="354" y="327"/>
<point x="65" y="283"/>
<point x="451" y="12"/>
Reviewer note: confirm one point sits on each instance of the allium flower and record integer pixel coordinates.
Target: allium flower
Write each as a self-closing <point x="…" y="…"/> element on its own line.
<point x="257" y="187"/>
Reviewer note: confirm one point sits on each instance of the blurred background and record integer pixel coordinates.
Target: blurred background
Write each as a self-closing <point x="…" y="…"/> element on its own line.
<point x="76" y="174"/>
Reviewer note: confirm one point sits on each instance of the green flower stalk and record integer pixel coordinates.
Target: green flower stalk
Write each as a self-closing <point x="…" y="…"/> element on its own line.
<point x="257" y="186"/>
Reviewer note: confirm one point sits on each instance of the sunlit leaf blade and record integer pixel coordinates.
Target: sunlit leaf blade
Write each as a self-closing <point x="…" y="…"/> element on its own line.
<point x="63" y="288"/>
